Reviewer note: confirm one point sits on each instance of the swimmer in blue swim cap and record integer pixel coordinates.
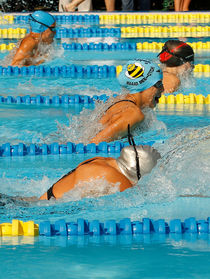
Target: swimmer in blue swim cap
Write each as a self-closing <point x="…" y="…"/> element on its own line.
<point x="143" y="80"/>
<point x="30" y="51"/>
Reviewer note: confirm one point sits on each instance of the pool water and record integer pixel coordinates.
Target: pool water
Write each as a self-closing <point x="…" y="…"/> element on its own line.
<point x="180" y="132"/>
<point x="115" y="258"/>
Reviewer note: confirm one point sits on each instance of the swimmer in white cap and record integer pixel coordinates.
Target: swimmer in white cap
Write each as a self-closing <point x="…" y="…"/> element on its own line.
<point x="143" y="80"/>
<point x="42" y="33"/>
<point x="133" y="163"/>
<point x="125" y="171"/>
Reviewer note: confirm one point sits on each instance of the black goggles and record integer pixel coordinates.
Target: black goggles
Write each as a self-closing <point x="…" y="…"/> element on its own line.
<point x="160" y="88"/>
<point x="53" y="29"/>
<point x="132" y="142"/>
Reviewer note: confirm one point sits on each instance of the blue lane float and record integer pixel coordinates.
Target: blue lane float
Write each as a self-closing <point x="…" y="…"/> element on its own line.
<point x="55" y="100"/>
<point x="124" y="227"/>
<point x="90" y="32"/>
<point x="66" y="71"/>
<point x="63" y="19"/>
<point x="21" y="149"/>
<point x="100" y="47"/>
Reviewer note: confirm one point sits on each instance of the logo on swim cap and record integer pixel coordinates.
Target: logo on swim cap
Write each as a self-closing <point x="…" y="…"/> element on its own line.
<point x="139" y="74"/>
<point x="134" y="70"/>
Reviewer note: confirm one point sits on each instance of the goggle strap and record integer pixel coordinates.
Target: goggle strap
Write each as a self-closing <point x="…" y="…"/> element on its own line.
<point x="132" y="142"/>
<point x="165" y="49"/>
<point x="32" y="18"/>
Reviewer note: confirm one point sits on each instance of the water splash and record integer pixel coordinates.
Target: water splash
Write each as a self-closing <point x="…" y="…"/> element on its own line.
<point x="150" y="127"/>
<point x="187" y="80"/>
<point x="42" y="53"/>
<point x="79" y="128"/>
<point x="83" y="127"/>
<point x="186" y="160"/>
<point x="24" y="187"/>
<point x="93" y="188"/>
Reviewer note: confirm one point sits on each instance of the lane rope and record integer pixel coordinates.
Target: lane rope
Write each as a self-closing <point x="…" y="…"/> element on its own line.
<point x="109" y="227"/>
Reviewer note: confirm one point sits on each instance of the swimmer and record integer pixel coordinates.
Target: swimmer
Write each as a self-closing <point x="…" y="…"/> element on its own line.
<point x="143" y="79"/>
<point x="133" y="163"/>
<point x="42" y="33"/>
<point x="177" y="60"/>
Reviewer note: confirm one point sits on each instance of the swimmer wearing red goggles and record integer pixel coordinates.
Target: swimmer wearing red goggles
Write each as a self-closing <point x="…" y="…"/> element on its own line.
<point x="177" y="60"/>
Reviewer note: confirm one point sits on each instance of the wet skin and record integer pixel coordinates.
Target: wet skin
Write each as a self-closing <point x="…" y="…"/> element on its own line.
<point x="28" y="49"/>
<point x="116" y="119"/>
<point x="100" y="167"/>
<point x="171" y="76"/>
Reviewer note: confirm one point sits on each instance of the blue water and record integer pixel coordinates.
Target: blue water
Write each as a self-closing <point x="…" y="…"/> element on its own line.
<point x="127" y="257"/>
<point x="180" y="133"/>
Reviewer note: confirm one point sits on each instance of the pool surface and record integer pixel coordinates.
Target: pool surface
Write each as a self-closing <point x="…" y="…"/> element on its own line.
<point x="177" y="188"/>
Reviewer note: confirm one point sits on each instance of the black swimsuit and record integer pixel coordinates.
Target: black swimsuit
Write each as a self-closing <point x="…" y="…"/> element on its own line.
<point x="120" y="102"/>
<point x="50" y="190"/>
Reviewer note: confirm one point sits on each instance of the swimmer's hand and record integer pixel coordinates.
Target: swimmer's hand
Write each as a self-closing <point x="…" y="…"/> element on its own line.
<point x="71" y="7"/>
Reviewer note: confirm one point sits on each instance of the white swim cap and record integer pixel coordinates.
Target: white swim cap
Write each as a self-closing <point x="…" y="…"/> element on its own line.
<point x="147" y="157"/>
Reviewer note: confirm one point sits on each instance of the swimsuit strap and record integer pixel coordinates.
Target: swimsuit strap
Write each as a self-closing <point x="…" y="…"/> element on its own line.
<point x="120" y="102"/>
<point x="50" y="190"/>
<point x="50" y="193"/>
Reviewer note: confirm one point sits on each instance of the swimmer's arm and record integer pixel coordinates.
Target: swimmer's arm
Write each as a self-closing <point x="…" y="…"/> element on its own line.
<point x="24" y="51"/>
<point x="119" y="126"/>
<point x="170" y="82"/>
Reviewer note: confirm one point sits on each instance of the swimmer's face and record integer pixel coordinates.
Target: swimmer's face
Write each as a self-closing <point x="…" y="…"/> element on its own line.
<point x="150" y="96"/>
<point x="48" y="35"/>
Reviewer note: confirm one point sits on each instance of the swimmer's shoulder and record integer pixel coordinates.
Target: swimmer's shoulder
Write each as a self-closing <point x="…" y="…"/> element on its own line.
<point x="28" y="43"/>
<point x="171" y="82"/>
<point x="25" y="50"/>
<point x="96" y="162"/>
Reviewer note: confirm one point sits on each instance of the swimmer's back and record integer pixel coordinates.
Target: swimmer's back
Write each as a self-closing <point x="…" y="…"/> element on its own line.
<point x="98" y="167"/>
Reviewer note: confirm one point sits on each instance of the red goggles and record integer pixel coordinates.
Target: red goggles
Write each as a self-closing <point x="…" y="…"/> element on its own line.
<point x="166" y="54"/>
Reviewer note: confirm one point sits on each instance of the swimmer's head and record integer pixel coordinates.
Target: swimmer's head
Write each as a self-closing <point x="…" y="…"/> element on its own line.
<point x="139" y="74"/>
<point x="147" y="158"/>
<point x="176" y="53"/>
<point x="41" y="21"/>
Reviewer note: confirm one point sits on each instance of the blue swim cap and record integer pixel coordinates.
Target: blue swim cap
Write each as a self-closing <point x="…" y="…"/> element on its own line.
<point x="139" y="74"/>
<point x="40" y="21"/>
